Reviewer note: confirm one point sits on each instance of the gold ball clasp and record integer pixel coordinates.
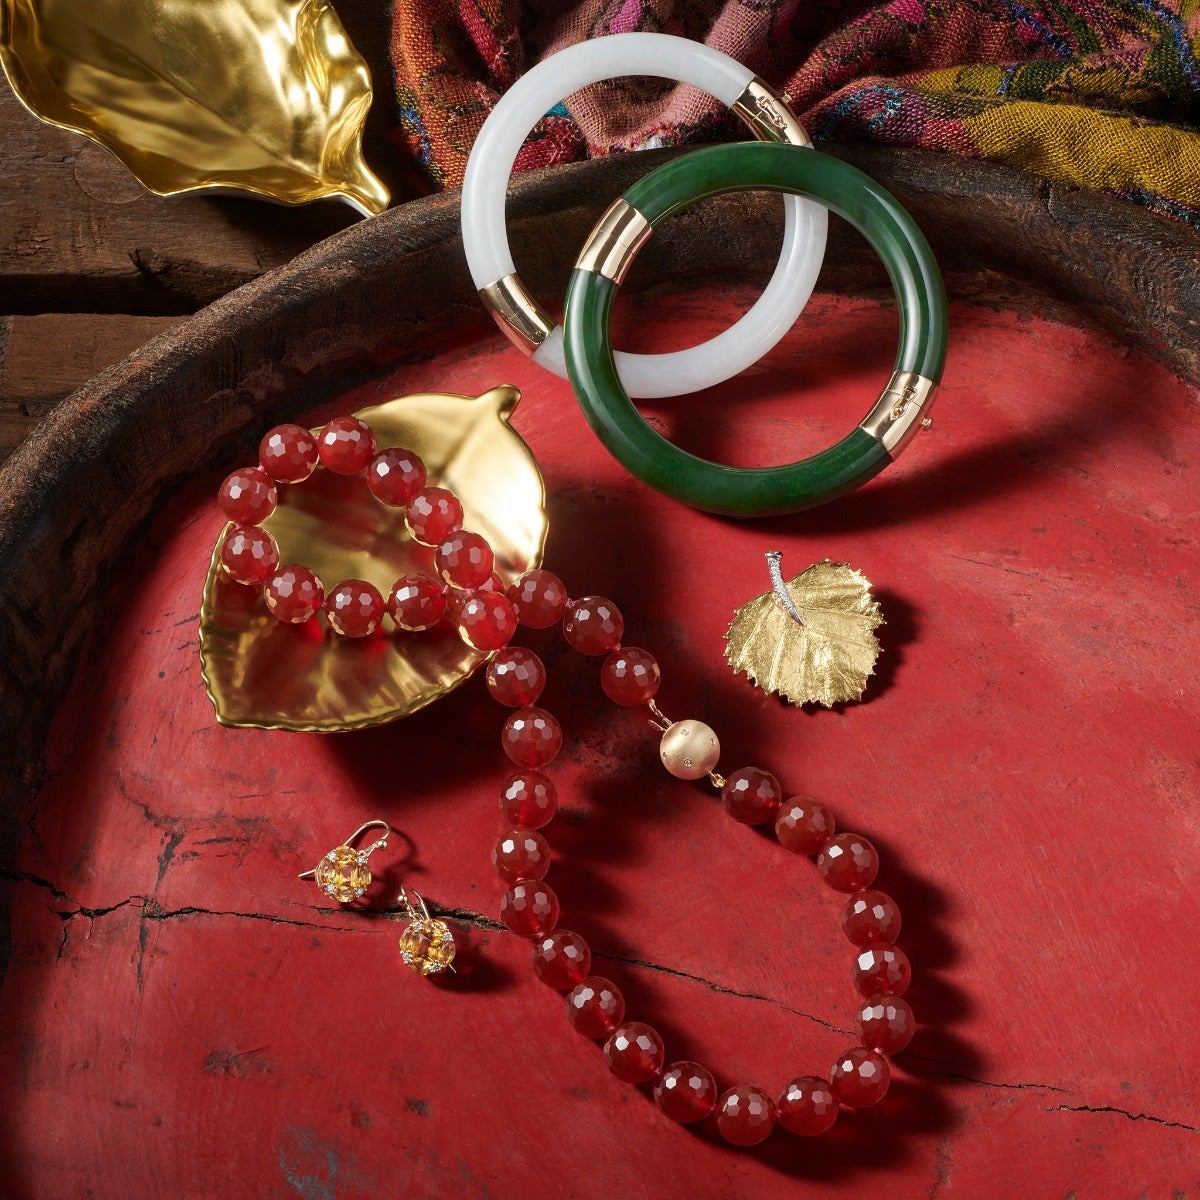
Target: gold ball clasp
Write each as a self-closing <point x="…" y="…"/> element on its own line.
<point x="689" y="749"/>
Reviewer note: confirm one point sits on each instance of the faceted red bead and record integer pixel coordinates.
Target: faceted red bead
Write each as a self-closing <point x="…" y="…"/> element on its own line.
<point x="288" y="453"/>
<point x="249" y="554"/>
<point x="248" y="496"/>
<point x="486" y="620"/>
<point x="529" y="909"/>
<point x="630" y="676"/>
<point x="745" y="1115"/>
<point x="593" y="625"/>
<point x="417" y="601"/>
<point x="515" y="677"/>
<point x="595" y="1006"/>
<point x="294" y="594"/>
<point x="886" y="1024"/>
<point x="354" y="608"/>
<point x="528" y="799"/>
<point x="860" y="1078"/>
<point x="561" y="959"/>
<point x="686" y="1092"/>
<point x="346" y="445"/>
<point x="882" y="970"/>
<point x="539" y="598"/>
<point x="848" y="862"/>
<point x="634" y="1052"/>
<point x="803" y="825"/>
<point x="520" y="854"/>
<point x="752" y="795"/>
<point x="433" y="514"/>
<point x="395" y="476"/>
<point x="531" y="737"/>
<point x="871" y="919"/>
<point x="465" y="559"/>
<point x="808" y="1106"/>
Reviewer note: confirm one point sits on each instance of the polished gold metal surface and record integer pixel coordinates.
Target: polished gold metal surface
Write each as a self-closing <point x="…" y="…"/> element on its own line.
<point x="521" y="318"/>
<point x="614" y="242"/>
<point x="767" y="114"/>
<point x="263" y="674"/>
<point x="829" y="657"/>
<point x="263" y="96"/>
<point x="900" y="411"/>
<point x="689" y="749"/>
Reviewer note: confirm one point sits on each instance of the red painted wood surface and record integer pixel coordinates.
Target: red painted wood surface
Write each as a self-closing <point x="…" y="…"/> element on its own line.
<point x="181" y="1016"/>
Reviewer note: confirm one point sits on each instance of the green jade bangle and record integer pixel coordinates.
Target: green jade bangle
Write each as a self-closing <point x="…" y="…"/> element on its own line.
<point x="736" y="491"/>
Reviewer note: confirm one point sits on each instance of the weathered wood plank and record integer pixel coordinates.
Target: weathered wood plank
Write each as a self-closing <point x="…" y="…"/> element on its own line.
<point x="45" y="358"/>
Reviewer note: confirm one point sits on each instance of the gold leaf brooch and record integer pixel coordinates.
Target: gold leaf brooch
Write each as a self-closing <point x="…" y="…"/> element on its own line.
<point x="811" y="639"/>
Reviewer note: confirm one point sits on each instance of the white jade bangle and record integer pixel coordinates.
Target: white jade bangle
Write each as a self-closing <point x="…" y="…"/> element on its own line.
<point x="485" y="237"/>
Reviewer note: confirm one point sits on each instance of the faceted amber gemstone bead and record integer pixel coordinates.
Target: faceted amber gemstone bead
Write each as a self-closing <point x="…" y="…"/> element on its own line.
<point x="752" y="795"/>
<point x="343" y="874"/>
<point x="595" y="1006"/>
<point x="464" y="559"/>
<point x="528" y="799"/>
<point x="848" y="862"/>
<point x="686" y="1092"/>
<point x="248" y="496"/>
<point x="630" y="676"/>
<point x="395" y="476"/>
<point x="871" y="919"/>
<point x="486" y="620"/>
<point x="808" y="1106"/>
<point x="417" y="601"/>
<point x="634" y="1052"/>
<point x="529" y="909"/>
<point x="539" y="598"/>
<point x="531" y="737"/>
<point x="745" y="1115"/>
<point x="860" y="1078"/>
<point x="288" y="453"/>
<point x="593" y="625"/>
<point x="561" y="959"/>
<point x="886" y="1024"/>
<point x="346" y="445"/>
<point x="882" y="970"/>
<point x="354" y="608"/>
<point x="294" y="594"/>
<point x="427" y="946"/>
<point x="249" y="555"/>
<point x="803" y="825"/>
<point x="433" y="514"/>
<point x="515" y="677"/>
<point x="520" y="854"/>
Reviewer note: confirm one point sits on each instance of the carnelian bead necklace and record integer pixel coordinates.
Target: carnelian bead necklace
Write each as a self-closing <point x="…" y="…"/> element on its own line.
<point x="684" y="1091"/>
<point x="465" y="590"/>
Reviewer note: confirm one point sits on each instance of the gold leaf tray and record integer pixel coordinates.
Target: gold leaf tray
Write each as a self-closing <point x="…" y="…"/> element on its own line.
<point x="262" y="96"/>
<point x="263" y="674"/>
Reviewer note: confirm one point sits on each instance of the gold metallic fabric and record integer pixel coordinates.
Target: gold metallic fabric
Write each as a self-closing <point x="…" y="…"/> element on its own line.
<point x="264" y="96"/>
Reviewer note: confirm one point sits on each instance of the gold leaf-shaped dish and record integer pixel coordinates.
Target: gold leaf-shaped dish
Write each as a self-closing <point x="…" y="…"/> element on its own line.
<point x="264" y="674"/>
<point x="264" y="96"/>
<point x="829" y="658"/>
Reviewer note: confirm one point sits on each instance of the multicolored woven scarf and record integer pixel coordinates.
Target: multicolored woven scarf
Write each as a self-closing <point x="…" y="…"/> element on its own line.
<point x="1098" y="94"/>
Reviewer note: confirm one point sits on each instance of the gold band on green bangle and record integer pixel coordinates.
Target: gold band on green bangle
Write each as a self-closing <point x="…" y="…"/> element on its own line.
<point x="737" y="491"/>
